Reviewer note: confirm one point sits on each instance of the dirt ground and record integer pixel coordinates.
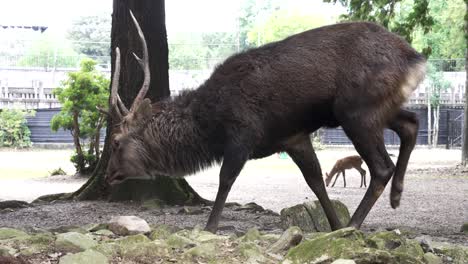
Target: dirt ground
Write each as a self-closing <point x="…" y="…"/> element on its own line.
<point x="434" y="203"/>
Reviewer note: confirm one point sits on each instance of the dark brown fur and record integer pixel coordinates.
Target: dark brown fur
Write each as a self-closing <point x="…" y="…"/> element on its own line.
<point x="269" y="99"/>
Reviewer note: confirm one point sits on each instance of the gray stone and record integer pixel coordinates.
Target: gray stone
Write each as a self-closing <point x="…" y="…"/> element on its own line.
<point x="126" y="241"/>
<point x="104" y="232"/>
<point x="74" y="242"/>
<point x="161" y="232"/>
<point x="425" y="242"/>
<point x="86" y="257"/>
<point x="290" y="238"/>
<point x="310" y="216"/>
<point x="128" y="225"/>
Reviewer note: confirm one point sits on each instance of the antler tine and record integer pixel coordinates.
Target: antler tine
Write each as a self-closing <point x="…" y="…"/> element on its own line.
<point x="144" y="64"/>
<point x="116" y="102"/>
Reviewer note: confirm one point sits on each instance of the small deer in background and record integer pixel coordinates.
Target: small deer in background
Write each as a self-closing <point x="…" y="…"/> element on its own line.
<point x="344" y="164"/>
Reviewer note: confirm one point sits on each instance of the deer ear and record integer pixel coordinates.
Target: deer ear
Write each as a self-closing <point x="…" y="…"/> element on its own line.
<point x="144" y="111"/>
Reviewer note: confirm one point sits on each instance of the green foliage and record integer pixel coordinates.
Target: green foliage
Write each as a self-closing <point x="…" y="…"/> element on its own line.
<point x="283" y="23"/>
<point x="446" y="39"/>
<point x="14" y="131"/>
<point x="49" y="52"/>
<point x="400" y="16"/>
<point x="437" y="85"/>
<point x="79" y="95"/>
<point x="91" y="36"/>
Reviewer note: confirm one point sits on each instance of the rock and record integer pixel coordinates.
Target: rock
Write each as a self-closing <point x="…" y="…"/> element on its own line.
<point x="95" y="227"/>
<point x="425" y="243"/>
<point x="104" y="232"/>
<point x="430" y="258"/>
<point x="177" y="240"/>
<point x="86" y="257"/>
<point x="7" y="251"/>
<point x="290" y="238"/>
<point x="346" y="243"/>
<point x="251" y="252"/>
<point x="151" y="252"/>
<point x="128" y="225"/>
<point x="251" y="207"/>
<point x="35" y="244"/>
<point x="74" y="242"/>
<point x="12" y="260"/>
<point x="206" y="250"/>
<point x="459" y="254"/>
<point x="344" y="261"/>
<point x="129" y="240"/>
<point x="393" y="241"/>
<point x="68" y="229"/>
<point x="13" y="204"/>
<point x="110" y="250"/>
<point x="464" y="228"/>
<point x="251" y="235"/>
<point x="310" y="216"/>
<point x="7" y="233"/>
<point x="161" y="232"/>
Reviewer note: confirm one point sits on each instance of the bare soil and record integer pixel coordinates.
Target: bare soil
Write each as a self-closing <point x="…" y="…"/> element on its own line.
<point x="435" y="199"/>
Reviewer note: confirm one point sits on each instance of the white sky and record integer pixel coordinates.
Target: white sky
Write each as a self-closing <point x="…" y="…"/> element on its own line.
<point x="181" y="15"/>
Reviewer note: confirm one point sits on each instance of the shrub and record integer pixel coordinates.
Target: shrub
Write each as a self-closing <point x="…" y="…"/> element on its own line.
<point x="14" y="131"/>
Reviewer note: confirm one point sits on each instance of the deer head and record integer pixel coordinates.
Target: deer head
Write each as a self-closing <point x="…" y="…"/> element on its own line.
<point x="126" y="160"/>
<point x="328" y="178"/>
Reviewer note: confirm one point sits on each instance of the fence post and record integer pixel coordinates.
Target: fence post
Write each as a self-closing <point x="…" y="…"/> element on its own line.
<point x="449" y="130"/>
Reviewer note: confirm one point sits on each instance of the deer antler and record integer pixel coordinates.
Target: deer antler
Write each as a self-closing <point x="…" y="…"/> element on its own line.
<point x="116" y="102"/>
<point x="144" y="64"/>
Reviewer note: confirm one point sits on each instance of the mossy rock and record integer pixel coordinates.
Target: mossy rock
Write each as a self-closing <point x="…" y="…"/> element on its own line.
<point x="7" y="233"/>
<point x="86" y="257"/>
<point x="396" y="243"/>
<point x="330" y="246"/>
<point x="74" y="242"/>
<point x="148" y="252"/>
<point x="430" y="258"/>
<point x="38" y="243"/>
<point x="310" y="216"/>
<point x="252" y="235"/>
<point x="6" y="251"/>
<point x="205" y="250"/>
<point x="251" y="252"/>
<point x="109" y="249"/>
<point x="458" y="253"/>
<point x="153" y="204"/>
<point x="134" y="239"/>
<point x="178" y="240"/>
<point x="161" y="232"/>
<point x="464" y="228"/>
<point x="104" y="232"/>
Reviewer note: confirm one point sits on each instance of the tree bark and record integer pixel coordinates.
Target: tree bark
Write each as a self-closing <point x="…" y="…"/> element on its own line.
<point x="465" y="123"/>
<point x="76" y="139"/>
<point x="151" y="17"/>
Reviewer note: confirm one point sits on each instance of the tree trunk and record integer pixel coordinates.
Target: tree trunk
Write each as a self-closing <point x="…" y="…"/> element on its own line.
<point x="151" y="16"/>
<point x="429" y="117"/>
<point x="76" y="139"/>
<point x="435" y="137"/>
<point x="465" y="123"/>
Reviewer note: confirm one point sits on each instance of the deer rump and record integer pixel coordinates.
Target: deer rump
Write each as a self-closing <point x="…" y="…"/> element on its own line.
<point x="269" y="99"/>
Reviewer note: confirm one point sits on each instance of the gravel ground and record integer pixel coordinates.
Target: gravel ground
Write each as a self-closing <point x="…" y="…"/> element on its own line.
<point x="435" y="200"/>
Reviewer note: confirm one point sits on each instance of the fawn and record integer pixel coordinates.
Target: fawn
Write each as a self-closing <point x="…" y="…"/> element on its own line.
<point x="344" y="164"/>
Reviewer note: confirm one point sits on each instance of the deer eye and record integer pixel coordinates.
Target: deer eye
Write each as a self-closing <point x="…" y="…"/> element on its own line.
<point x="115" y="143"/>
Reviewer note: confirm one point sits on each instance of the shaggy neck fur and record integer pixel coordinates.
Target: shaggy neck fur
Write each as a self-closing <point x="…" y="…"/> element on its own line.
<point x="173" y="142"/>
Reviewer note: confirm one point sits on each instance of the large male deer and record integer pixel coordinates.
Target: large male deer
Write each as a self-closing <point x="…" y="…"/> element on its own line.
<point x="269" y="99"/>
<point x="341" y="166"/>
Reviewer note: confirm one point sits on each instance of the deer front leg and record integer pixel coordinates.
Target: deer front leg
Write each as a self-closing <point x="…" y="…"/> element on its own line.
<point x="336" y="178"/>
<point x="233" y="162"/>
<point x="304" y="156"/>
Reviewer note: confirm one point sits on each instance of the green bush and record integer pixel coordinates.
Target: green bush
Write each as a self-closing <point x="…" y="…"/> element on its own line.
<point x="14" y="131"/>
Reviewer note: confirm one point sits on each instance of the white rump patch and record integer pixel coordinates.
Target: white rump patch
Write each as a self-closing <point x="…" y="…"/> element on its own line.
<point x="415" y="76"/>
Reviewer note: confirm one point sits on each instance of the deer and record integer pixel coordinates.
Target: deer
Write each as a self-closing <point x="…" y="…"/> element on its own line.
<point x="268" y="99"/>
<point x="341" y="166"/>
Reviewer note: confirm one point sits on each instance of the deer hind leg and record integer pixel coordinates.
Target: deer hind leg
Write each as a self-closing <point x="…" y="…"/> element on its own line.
<point x="368" y="141"/>
<point x="233" y="162"/>
<point x="405" y="124"/>
<point x="363" y="176"/>
<point x="303" y="155"/>
<point x="336" y="178"/>
<point x="344" y="179"/>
